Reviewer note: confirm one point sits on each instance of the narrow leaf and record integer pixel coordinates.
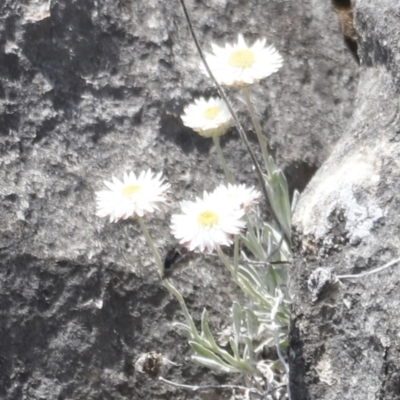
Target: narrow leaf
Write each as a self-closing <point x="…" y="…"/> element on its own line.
<point x="215" y="365"/>
<point x="237" y="320"/>
<point x="209" y="354"/>
<point x="252" y="323"/>
<point x="206" y="330"/>
<point x="295" y="200"/>
<point x="235" y="349"/>
<point x="185" y="330"/>
<point x="252" y="243"/>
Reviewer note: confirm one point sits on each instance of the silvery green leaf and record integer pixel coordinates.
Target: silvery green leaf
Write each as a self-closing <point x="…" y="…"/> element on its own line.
<point x="215" y="365"/>
<point x="284" y="252"/>
<point x="249" y="289"/>
<point x="252" y="243"/>
<point x="281" y="275"/>
<point x="252" y="278"/>
<point x="235" y="349"/>
<point x="295" y="200"/>
<point x="206" y="353"/>
<point x="249" y="274"/>
<point x="270" y="241"/>
<point x="237" y="320"/>
<point x="282" y="202"/>
<point x="272" y="162"/>
<point x="206" y="330"/>
<point x="276" y="186"/>
<point x="248" y="355"/>
<point x="185" y="330"/>
<point x="249" y="342"/>
<point x="216" y="350"/>
<point x="285" y="201"/>
<point x="252" y="323"/>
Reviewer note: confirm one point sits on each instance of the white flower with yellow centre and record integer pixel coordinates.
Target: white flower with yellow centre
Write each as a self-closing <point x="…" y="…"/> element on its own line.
<point x="133" y="196"/>
<point x="207" y="117"/>
<point x="206" y="224"/>
<point x="239" y="65"/>
<point x="239" y="196"/>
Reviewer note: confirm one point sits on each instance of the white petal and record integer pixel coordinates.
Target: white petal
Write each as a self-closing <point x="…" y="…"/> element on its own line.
<point x="117" y="205"/>
<point x="267" y="62"/>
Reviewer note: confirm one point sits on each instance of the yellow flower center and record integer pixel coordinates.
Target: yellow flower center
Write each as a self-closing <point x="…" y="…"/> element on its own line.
<point x="211" y="112"/>
<point x="129" y="191"/>
<point x="242" y="58"/>
<point x="207" y="218"/>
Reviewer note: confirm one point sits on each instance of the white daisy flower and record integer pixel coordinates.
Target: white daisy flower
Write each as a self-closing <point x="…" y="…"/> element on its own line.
<point x="134" y="196"/>
<point x="206" y="224"/>
<point x="239" y="65"/>
<point x="207" y="117"/>
<point x="239" y="196"/>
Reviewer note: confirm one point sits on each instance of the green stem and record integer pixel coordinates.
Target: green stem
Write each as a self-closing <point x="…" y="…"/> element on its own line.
<point x="228" y="174"/>
<point x="153" y="249"/>
<point x="166" y="283"/>
<point x="236" y="257"/>
<point x="185" y="311"/>
<point x="226" y="262"/>
<point x="261" y="139"/>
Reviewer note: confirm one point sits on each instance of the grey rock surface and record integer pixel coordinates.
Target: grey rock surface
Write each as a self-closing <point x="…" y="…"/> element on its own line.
<point x="347" y="345"/>
<point x="91" y="89"/>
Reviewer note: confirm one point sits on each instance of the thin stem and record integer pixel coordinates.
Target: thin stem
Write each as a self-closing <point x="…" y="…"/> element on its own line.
<point x="226" y="262"/>
<point x="239" y="127"/>
<point x="252" y="262"/>
<point x="166" y="283"/>
<point x="228" y="174"/>
<point x="185" y="311"/>
<point x="256" y="122"/>
<point x="153" y="249"/>
<point x="236" y="257"/>
<point x="373" y="271"/>
<point x="206" y="387"/>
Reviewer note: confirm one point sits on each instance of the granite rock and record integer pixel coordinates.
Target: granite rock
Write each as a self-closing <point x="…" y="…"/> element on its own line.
<point x="91" y="89"/>
<point x="346" y="345"/>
